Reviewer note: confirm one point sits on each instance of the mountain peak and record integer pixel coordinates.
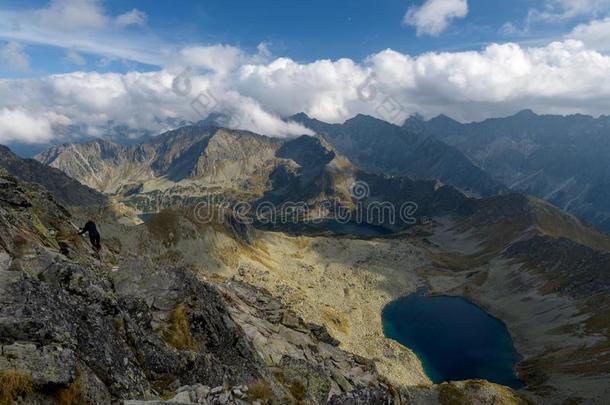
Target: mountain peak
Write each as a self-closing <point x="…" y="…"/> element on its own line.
<point x="415" y="123"/>
<point x="445" y="119"/>
<point x="307" y="151"/>
<point x="363" y="119"/>
<point x="299" y="117"/>
<point x="526" y="113"/>
<point x="415" y="117"/>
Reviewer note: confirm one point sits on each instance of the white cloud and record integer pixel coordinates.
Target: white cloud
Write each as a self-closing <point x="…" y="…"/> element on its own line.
<point x="562" y="77"/>
<point x="558" y="10"/>
<point x="18" y="125"/>
<point x="263" y="50"/>
<point x="14" y="57"/>
<point x="70" y="15"/>
<point x="133" y="17"/>
<point x="84" y="26"/>
<point x="216" y="58"/>
<point x="434" y="16"/>
<point x="74" y="57"/>
<point x="595" y="34"/>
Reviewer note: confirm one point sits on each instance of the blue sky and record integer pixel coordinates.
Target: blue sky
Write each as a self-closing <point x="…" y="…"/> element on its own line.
<point x="302" y="30"/>
<point x="71" y="68"/>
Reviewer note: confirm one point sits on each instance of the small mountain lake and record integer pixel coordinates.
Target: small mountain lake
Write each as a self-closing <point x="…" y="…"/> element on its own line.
<point x="455" y="339"/>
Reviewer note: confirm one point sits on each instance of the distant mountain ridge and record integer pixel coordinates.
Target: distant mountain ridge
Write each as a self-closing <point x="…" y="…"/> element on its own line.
<point x="559" y="159"/>
<point x="380" y="147"/>
<point x="213" y="155"/>
<point x="199" y="163"/>
<point x="562" y="159"/>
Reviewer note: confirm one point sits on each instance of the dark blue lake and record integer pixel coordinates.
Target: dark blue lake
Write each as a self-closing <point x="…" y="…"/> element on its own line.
<point x="331" y="226"/>
<point x="455" y="339"/>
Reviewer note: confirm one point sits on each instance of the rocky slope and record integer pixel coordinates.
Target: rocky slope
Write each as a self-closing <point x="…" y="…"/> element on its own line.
<point x="219" y="158"/>
<point x="64" y="188"/>
<point x="541" y="270"/>
<point x="562" y="159"/>
<point x="121" y="327"/>
<point x="81" y="327"/>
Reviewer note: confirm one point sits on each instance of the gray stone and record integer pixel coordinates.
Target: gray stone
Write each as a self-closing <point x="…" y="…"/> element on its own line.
<point x="46" y="365"/>
<point x="5" y="261"/>
<point x="184" y="397"/>
<point x="290" y="320"/>
<point x="201" y="392"/>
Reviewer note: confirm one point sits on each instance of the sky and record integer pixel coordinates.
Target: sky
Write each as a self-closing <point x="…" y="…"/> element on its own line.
<point x="81" y="66"/>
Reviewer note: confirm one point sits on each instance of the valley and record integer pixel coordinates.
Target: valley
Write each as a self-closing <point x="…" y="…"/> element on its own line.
<point x="344" y="283"/>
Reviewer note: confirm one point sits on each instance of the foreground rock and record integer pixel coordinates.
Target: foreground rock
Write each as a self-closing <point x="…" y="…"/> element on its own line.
<point x="100" y="330"/>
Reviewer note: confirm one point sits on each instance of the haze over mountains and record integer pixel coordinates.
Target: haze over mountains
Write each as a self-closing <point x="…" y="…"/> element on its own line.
<point x="562" y="159"/>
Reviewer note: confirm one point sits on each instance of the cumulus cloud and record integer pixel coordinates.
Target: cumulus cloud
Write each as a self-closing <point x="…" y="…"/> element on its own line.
<point x="14" y="57"/>
<point x="595" y="34"/>
<point x="216" y="58"/>
<point x="19" y="125"/>
<point x="434" y="16"/>
<point x="255" y="93"/>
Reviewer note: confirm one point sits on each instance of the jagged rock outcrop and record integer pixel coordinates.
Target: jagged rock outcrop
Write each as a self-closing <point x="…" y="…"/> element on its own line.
<point x="70" y="316"/>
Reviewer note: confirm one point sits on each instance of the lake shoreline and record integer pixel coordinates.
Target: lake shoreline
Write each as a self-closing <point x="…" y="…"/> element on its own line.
<point x="401" y="322"/>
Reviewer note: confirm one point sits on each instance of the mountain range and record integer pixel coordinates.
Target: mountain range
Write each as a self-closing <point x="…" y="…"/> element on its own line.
<point x="380" y="147"/>
<point x="300" y="303"/>
<point x="562" y="159"/>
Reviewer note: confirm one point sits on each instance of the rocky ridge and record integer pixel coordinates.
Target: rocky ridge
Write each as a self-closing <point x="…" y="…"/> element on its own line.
<point x="65" y="189"/>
